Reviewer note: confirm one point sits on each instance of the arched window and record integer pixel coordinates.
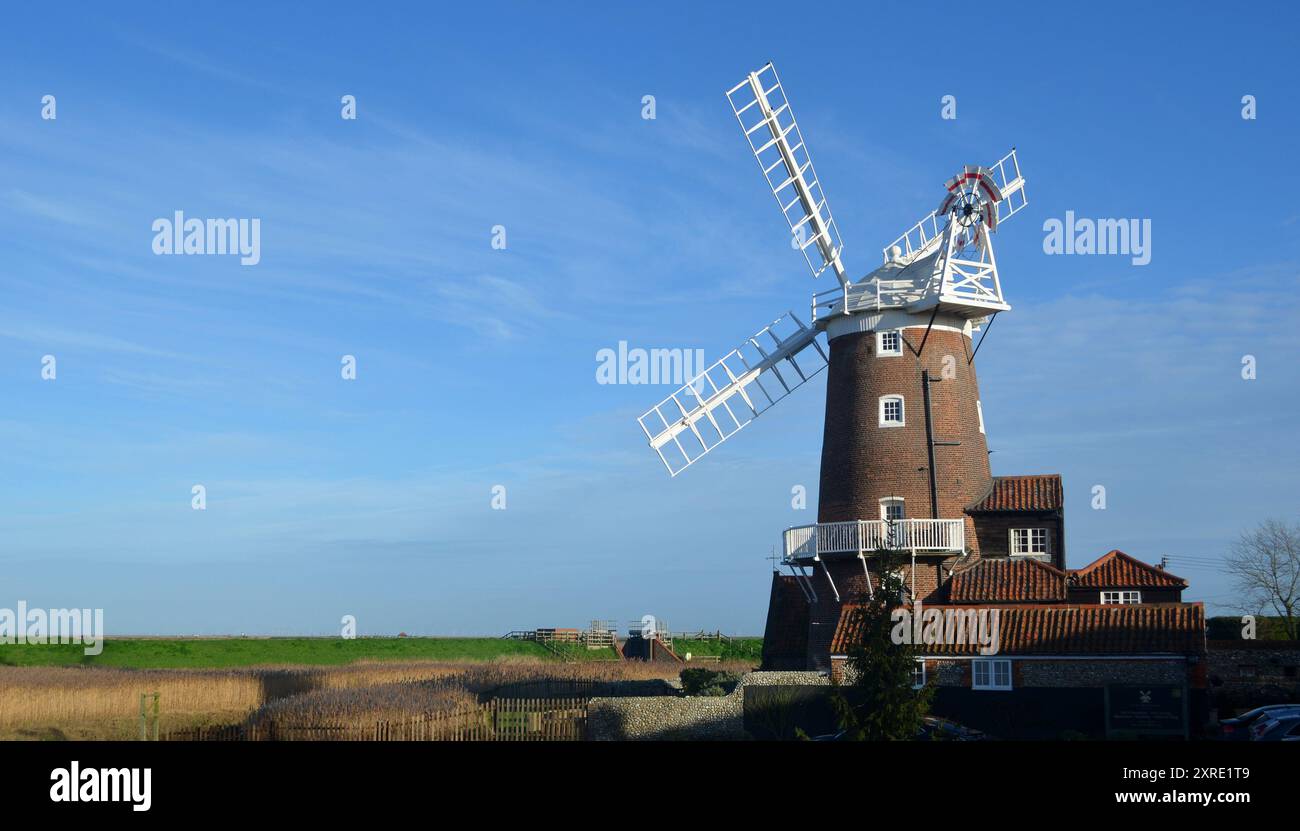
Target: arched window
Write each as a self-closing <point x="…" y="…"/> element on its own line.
<point x="891" y="411"/>
<point x="891" y="507"/>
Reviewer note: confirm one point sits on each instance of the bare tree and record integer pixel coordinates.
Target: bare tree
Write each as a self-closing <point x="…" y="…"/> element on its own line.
<point x="1266" y="568"/>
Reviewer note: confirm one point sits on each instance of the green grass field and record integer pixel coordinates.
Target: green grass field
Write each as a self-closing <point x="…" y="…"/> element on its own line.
<point x="241" y="652"/>
<point x="735" y="649"/>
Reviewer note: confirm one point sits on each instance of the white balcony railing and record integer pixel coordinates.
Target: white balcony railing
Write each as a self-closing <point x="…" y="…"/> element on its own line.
<point x="808" y="542"/>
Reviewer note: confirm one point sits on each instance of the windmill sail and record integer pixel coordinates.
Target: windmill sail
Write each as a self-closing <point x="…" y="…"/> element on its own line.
<point x="765" y="116"/>
<point x="731" y="393"/>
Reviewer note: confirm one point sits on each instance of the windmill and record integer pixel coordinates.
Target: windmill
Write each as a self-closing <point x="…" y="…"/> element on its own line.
<point x="897" y="341"/>
<point x="944" y="262"/>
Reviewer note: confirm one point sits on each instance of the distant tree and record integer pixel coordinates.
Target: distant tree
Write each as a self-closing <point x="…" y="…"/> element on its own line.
<point x="1265" y="565"/>
<point x="878" y="703"/>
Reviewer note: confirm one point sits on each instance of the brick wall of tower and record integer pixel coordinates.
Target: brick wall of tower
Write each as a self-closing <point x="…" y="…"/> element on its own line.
<point x="863" y="462"/>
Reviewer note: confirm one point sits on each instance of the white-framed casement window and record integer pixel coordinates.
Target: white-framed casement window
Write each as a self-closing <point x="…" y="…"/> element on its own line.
<point x="990" y="674"/>
<point x="889" y="343"/>
<point x="1121" y="598"/>
<point x="918" y="674"/>
<point x="979" y="412"/>
<point x="892" y="508"/>
<point x="891" y="411"/>
<point x="1028" y="542"/>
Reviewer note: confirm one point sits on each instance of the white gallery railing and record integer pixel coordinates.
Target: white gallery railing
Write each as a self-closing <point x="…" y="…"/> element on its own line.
<point x="864" y="536"/>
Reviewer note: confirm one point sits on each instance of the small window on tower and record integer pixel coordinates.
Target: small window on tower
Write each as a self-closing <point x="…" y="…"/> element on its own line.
<point x="891" y="508"/>
<point x="889" y="343"/>
<point x="979" y="411"/>
<point x="891" y="411"/>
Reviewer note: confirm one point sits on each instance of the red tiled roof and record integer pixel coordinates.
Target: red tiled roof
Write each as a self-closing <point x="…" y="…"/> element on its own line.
<point x="1066" y="630"/>
<point x="1007" y="581"/>
<point x="1022" y="493"/>
<point x="1115" y="569"/>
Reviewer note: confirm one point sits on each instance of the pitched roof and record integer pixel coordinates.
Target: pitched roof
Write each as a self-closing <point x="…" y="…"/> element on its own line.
<point x="1018" y="580"/>
<point x="1177" y="628"/>
<point x="1022" y="493"/>
<point x="1115" y="569"/>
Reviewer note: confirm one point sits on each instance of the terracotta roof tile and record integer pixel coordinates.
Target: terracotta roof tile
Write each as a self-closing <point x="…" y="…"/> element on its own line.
<point x="1015" y="580"/>
<point x="1177" y="628"/>
<point x="1022" y="493"/>
<point x="1115" y="569"/>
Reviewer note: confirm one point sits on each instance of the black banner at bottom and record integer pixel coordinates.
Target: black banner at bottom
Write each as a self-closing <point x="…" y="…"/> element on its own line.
<point x="299" y="780"/>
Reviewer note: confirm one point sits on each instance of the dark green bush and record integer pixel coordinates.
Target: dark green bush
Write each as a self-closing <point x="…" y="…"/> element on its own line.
<point x="701" y="681"/>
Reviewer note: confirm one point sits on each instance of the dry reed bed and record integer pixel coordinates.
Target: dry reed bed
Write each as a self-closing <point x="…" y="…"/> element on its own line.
<point x="62" y="696"/>
<point x="98" y="702"/>
<point x="358" y="706"/>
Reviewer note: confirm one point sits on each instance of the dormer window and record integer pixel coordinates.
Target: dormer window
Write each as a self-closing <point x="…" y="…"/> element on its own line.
<point x="891" y="411"/>
<point x="1029" y="542"/>
<point x="889" y="343"/>
<point x="1121" y="598"/>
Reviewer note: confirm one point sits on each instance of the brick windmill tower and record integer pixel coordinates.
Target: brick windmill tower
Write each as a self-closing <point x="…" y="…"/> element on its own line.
<point x="903" y="449"/>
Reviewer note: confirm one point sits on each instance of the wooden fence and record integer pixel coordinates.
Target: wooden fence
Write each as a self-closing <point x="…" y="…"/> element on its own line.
<point x="501" y="719"/>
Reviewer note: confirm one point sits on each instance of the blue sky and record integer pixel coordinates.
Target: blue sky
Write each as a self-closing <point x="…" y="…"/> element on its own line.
<point x="476" y="367"/>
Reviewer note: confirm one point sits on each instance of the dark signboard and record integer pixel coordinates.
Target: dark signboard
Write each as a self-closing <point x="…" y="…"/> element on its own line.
<point x="1146" y="710"/>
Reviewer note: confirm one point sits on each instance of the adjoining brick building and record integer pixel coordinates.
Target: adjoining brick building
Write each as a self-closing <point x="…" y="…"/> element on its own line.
<point x="1058" y="663"/>
<point x="1066" y="640"/>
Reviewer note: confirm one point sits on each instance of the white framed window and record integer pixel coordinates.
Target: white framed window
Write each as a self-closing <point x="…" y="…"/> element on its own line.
<point x="889" y="343"/>
<point x="979" y="412"/>
<point x="990" y="674"/>
<point x="1121" y="598"/>
<point x="918" y="674"/>
<point x="891" y="507"/>
<point x="1028" y="542"/>
<point x="891" y="411"/>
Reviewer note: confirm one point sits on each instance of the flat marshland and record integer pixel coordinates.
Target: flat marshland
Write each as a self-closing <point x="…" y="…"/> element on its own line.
<point x="100" y="698"/>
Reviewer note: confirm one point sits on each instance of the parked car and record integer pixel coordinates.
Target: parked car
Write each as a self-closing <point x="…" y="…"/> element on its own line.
<point x="932" y="729"/>
<point x="943" y="730"/>
<point x="1238" y="729"/>
<point x="1280" y="727"/>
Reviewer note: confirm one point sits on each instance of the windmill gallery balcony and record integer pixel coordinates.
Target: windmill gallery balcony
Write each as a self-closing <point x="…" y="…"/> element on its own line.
<point x="809" y="542"/>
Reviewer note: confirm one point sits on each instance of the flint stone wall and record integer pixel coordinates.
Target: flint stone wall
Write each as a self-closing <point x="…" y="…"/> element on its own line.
<point x="677" y="718"/>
